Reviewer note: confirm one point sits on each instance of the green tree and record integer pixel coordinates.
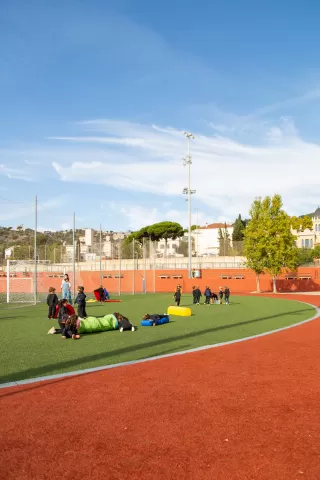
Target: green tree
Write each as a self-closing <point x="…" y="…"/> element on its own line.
<point x="159" y="231"/>
<point x="131" y="246"/>
<point x="269" y="243"/>
<point x="305" y="256"/>
<point x="301" y="223"/>
<point x="224" y="241"/>
<point x="254" y="245"/>
<point x="238" y="235"/>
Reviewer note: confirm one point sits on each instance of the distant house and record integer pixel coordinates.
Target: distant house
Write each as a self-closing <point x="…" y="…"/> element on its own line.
<point x="309" y="238"/>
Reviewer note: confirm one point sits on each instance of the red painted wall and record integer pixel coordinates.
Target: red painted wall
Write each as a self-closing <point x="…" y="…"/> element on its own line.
<point x="153" y="283"/>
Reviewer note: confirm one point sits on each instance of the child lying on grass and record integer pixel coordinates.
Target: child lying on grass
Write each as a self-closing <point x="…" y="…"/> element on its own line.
<point x="69" y="328"/>
<point x="123" y="322"/>
<point x="74" y="325"/>
<point x="154" y="318"/>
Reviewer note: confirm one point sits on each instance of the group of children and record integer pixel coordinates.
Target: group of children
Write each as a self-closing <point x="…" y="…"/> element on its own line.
<point x="210" y="296"/>
<point x="69" y="324"/>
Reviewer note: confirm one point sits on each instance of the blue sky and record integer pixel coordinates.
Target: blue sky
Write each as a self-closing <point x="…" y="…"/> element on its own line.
<point x="94" y="97"/>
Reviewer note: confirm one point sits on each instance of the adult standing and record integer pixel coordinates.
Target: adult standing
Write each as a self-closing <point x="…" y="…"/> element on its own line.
<point x="66" y="288"/>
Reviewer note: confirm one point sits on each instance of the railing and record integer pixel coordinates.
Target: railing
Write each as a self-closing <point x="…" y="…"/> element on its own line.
<point x="109" y="265"/>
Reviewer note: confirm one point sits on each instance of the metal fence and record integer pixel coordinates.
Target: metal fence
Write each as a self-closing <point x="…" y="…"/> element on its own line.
<point x="39" y="259"/>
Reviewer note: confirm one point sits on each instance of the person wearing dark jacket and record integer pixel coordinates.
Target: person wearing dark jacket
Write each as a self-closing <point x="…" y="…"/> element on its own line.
<point x="194" y="294"/>
<point x="101" y="293"/>
<point x="81" y="302"/>
<point x="62" y="317"/>
<point x="70" y="329"/>
<point x="207" y="294"/>
<point x="226" y="295"/>
<point x="52" y="302"/>
<point x="123" y="322"/>
<point x="197" y="295"/>
<point x="177" y="296"/>
<point x="214" y="297"/>
<point x="220" y="295"/>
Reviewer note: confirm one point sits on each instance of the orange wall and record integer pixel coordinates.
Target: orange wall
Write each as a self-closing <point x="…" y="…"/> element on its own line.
<point x="90" y="280"/>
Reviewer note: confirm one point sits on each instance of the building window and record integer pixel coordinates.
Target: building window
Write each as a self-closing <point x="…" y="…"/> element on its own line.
<point x="311" y="243"/>
<point x="306" y="243"/>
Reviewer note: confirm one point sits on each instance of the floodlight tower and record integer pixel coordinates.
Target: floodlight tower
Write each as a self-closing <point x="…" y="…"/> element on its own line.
<point x="187" y="162"/>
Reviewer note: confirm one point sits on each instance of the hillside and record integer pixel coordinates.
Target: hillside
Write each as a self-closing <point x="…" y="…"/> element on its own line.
<point x="50" y="245"/>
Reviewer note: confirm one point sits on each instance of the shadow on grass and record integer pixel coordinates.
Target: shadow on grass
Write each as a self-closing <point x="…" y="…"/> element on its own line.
<point x="48" y="383"/>
<point x="48" y="369"/>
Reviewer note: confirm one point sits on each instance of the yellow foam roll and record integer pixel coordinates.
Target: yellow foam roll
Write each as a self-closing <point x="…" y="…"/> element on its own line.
<point x="181" y="311"/>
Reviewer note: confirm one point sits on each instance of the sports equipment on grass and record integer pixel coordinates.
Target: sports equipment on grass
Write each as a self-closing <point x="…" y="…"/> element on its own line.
<point x="181" y="311"/>
<point x="162" y="320"/>
<point x="98" y="324"/>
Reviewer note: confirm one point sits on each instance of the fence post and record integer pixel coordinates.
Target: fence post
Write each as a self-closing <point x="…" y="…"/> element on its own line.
<point x="133" y="267"/>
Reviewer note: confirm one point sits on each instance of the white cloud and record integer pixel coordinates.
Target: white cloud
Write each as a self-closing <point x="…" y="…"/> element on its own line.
<point x="226" y="174"/>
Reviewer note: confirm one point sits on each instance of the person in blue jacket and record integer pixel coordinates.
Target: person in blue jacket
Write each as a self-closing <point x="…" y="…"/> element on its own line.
<point x="207" y="294"/>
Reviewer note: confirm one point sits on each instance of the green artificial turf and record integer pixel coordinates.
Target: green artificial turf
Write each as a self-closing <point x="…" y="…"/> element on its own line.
<point x="26" y="351"/>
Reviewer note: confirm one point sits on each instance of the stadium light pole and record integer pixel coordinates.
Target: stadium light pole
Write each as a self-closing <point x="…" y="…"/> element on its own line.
<point x="187" y="162"/>
<point x="35" y="286"/>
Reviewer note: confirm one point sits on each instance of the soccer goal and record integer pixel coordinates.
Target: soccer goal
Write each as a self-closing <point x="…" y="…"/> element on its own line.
<point x="20" y="285"/>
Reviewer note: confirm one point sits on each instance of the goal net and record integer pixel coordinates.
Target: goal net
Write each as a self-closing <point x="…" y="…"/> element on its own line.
<point x="19" y="283"/>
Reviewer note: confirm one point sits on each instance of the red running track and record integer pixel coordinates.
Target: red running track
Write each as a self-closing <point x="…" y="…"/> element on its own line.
<point x="245" y="411"/>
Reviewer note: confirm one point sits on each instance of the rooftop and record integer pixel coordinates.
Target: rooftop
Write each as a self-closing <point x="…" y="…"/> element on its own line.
<point x="216" y="225"/>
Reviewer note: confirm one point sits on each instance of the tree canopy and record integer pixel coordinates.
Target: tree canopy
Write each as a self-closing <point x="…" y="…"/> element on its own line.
<point x="269" y="242"/>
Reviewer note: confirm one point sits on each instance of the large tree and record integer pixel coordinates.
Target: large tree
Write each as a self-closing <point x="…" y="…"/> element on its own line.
<point x="269" y="242"/>
<point x="159" y="231"/>
<point x="280" y="242"/>
<point x="254" y="245"/>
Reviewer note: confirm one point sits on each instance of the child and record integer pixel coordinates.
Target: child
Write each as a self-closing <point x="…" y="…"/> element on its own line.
<point x="220" y="295"/>
<point x="207" y="294"/>
<point x="62" y="317"/>
<point x="194" y="294"/>
<point x="106" y="294"/>
<point x="214" y="297"/>
<point x="226" y="295"/>
<point x="52" y="302"/>
<point x="198" y="295"/>
<point x="153" y="317"/>
<point x="123" y="322"/>
<point x="81" y="301"/>
<point x="71" y="327"/>
<point x="101" y="293"/>
<point x="177" y="296"/>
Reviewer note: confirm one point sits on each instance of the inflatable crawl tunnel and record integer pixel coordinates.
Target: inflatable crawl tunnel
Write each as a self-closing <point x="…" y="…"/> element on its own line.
<point x="157" y="319"/>
<point x="98" y="324"/>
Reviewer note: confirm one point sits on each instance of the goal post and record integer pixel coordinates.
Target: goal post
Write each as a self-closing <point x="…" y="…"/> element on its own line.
<point x="20" y="283"/>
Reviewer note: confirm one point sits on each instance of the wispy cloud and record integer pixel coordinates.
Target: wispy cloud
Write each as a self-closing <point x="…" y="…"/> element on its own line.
<point x="226" y="174"/>
<point x="15" y="173"/>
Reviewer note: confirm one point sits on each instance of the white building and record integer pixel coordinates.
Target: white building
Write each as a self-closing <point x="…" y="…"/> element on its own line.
<point x="309" y="238"/>
<point x="171" y="250"/>
<point x="206" y="239"/>
<point x="110" y="244"/>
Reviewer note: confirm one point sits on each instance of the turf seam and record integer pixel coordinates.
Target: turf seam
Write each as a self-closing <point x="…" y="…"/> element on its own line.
<point x="75" y="373"/>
